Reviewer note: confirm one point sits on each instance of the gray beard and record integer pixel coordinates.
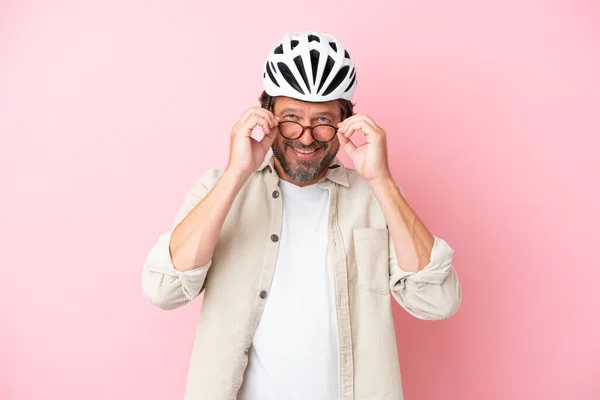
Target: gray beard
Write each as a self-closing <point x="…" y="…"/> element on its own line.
<point x="305" y="171"/>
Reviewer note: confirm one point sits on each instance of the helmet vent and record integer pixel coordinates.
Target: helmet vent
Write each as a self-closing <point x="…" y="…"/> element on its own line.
<point x="289" y="77"/>
<point x="314" y="61"/>
<point x="300" y="65"/>
<point x="328" y="67"/>
<point x="339" y="78"/>
<point x="271" y="75"/>
<point x="351" y="83"/>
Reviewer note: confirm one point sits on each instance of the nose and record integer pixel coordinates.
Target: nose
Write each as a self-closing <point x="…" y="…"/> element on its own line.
<point x="306" y="137"/>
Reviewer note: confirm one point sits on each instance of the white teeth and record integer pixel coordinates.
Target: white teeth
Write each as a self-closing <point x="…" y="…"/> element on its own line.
<point x="305" y="152"/>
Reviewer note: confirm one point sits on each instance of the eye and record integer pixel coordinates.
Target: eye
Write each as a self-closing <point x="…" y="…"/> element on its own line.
<point x="324" y="120"/>
<point x="290" y="116"/>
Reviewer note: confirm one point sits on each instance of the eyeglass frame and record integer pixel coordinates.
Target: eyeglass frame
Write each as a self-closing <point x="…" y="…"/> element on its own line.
<point x="310" y="129"/>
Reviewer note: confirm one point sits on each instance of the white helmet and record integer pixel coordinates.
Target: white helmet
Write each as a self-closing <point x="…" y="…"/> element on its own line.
<point x="310" y="66"/>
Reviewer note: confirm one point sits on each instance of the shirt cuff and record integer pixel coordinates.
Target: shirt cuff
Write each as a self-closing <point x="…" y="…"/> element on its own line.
<point x="438" y="268"/>
<point x="161" y="262"/>
<point x="193" y="272"/>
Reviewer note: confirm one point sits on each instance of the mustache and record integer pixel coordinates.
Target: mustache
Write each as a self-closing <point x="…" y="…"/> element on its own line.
<point x="300" y="146"/>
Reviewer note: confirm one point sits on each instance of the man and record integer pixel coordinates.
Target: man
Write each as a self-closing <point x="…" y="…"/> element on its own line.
<point x="296" y="254"/>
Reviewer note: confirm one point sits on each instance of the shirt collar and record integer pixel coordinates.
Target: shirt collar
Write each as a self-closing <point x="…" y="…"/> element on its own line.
<point x="336" y="172"/>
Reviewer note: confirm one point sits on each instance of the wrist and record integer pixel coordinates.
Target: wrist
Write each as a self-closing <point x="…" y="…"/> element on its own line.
<point x="382" y="183"/>
<point x="235" y="177"/>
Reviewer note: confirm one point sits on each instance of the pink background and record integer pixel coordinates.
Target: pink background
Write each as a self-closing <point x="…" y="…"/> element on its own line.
<point x="109" y="110"/>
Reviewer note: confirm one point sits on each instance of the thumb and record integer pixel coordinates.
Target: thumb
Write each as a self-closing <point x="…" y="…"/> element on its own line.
<point x="268" y="139"/>
<point x="346" y="144"/>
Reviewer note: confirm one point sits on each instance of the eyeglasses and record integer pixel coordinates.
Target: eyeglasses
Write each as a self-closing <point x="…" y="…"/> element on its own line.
<point x="292" y="130"/>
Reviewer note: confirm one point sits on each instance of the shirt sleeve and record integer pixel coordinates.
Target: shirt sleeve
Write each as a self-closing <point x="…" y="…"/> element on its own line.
<point x="432" y="293"/>
<point x="162" y="284"/>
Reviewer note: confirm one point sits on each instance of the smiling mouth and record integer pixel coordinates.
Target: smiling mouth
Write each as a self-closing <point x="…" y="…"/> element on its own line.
<point x="305" y="151"/>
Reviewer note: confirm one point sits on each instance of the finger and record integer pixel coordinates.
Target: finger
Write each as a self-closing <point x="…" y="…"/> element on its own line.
<point x="368" y="120"/>
<point x="375" y="130"/>
<point x="273" y="118"/>
<point x="350" y="129"/>
<point x="258" y="112"/>
<point x="365" y="121"/>
<point x="268" y="115"/>
<point x="242" y="123"/>
<point x="252" y="122"/>
<point x="264" y="123"/>
<point x="369" y="130"/>
<point x="268" y="140"/>
<point x="373" y="124"/>
<point x="349" y="121"/>
<point x="267" y="128"/>
<point x="250" y="111"/>
<point x="342" y="125"/>
<point x="346" y="144"/>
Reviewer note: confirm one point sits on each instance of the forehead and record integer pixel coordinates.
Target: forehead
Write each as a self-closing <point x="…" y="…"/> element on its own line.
<point x="304" y="107"/>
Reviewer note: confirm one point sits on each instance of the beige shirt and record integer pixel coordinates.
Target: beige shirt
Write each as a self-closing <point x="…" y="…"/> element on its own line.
<point x="237" y="280"/>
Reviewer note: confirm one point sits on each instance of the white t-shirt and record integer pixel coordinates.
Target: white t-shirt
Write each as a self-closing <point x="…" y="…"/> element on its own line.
<point x="294" y="354"/>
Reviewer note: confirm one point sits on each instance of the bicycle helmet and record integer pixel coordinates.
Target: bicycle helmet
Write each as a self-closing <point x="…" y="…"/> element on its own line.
<point x="310" y="66"/>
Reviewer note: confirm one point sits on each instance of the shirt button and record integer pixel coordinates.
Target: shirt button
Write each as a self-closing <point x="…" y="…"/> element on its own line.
<point x="275" y="194"/>
<point x="246" y="351"/>
<point x="274" y="238"/>
<point x="263" y="294"/>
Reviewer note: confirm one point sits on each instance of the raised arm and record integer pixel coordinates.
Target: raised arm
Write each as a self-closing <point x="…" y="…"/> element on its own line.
<point x="177" y="266"/>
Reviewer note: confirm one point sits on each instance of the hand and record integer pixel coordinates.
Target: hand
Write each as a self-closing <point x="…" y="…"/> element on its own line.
<point x="246" y="154"/>
<point x="370" y="159"/>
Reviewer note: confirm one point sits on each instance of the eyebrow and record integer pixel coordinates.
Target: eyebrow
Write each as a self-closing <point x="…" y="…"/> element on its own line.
<point x="290" y="109"/>
<point x="318" y="114"/>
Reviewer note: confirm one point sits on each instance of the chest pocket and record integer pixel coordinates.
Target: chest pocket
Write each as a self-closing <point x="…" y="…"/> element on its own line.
<point x="372" y="259"/>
